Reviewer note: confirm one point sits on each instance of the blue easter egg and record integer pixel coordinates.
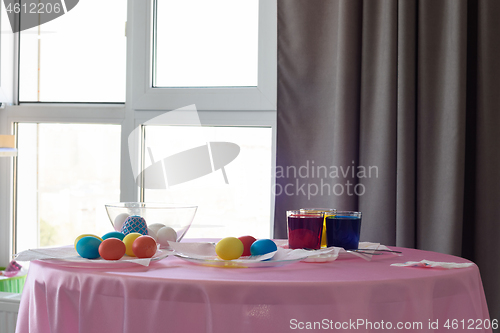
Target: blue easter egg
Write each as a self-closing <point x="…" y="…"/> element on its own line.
<point x="88" y="247"/>
<point x="113" y="234"/>
<point x="135" y="223"/>
<point x="262" y="246"/>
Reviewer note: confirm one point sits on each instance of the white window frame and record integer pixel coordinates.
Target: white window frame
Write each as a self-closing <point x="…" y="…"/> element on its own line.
<point x="245" y="106"/>
<point x="262" y="97"/>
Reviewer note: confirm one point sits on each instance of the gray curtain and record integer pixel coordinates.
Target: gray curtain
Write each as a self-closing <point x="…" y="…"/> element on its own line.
<point x="409" y="90"/>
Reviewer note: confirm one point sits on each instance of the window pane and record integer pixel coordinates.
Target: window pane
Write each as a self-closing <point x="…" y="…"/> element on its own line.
<point x="66" y="173"/>
<point x="204" y="43"/>
<point x="78" y="57"/>
<point x="239" y="208"/>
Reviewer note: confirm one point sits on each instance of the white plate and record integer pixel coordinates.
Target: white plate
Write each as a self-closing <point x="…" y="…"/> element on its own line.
<point x="125" y="261"/>
<point x="239" y="263"/>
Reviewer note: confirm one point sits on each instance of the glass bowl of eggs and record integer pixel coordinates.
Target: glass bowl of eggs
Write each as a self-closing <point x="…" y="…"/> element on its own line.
<point x="162" y="221"/>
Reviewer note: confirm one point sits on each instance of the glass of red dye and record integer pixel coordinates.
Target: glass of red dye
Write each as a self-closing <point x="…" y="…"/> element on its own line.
<point x="328" y="212"/>
<point x="304" y="229"/>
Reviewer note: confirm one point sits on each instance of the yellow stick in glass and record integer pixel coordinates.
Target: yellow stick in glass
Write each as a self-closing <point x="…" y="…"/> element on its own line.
<point x="328" y="212"/>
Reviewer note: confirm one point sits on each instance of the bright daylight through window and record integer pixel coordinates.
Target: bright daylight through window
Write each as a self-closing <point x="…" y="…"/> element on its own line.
<point x="240" y="207"/>
<point x="78" y="57"/>
<point x="202" y="43"/>
<point x="66" y="172"/>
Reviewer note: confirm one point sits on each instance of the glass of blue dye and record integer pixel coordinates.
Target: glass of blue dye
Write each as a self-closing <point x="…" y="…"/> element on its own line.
<point x="343" y="229"/>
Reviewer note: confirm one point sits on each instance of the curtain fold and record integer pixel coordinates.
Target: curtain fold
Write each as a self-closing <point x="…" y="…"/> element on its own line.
<point x="486" y="178"/>
<point x="406" y="156"/>
<point x="441" y="91"/>
<point x="391" y="108"/>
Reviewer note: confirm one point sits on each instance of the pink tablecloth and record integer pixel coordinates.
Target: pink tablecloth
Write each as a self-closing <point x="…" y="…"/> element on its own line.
<point x="176" y="296"/>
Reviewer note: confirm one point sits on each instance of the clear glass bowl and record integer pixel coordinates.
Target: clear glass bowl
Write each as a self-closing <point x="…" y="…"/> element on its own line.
<point x="177" y="216"/>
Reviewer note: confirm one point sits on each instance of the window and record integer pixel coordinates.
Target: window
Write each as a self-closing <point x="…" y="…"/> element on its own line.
<point x="65" y="173"/>
<point x="71" y="75"/>
<point x="198" y="45"/>
<point x="78" y="57"/>
<point x="241" y="207"/>
<point x="146" y="96"/>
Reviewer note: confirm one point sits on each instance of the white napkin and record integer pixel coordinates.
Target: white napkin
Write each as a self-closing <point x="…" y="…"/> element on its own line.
<point x="47" y="253"/>
<point x="332" y="253"/>
<point x="69" y="254"/>
<point x="299" y="253"/>
<point x="429" y="264"/>
<point x="206" y="251"/>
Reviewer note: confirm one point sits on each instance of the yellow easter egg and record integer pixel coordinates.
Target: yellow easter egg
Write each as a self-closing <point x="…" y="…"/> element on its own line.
<point x="85" y="235"/>
<point x="229" y="248"/>
<point x="129" y="240"/>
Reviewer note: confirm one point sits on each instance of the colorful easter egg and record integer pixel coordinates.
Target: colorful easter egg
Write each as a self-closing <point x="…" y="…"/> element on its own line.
<point x="86" y="235"/>
<point x="135" y="223"/>
<point x="112" y="249"/>
<point x="88" y="247"/>
<point x="113" y="234"/>
<point x="247" y="243"/>
<point x="263" y="246"/>
<point x="129" y="241"/>
<point x="144" y="247"/>
<point x="229" y="248"/>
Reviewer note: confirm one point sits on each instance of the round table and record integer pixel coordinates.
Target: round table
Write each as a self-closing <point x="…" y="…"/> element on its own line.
<point x="172" y="295"/>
